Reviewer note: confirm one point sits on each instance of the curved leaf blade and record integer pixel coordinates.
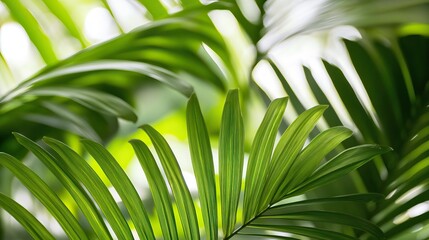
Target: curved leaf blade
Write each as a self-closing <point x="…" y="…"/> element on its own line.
<point x="89" y="178"/>
<point x="332" y="217"/>
<point x="155" y="8"/>
<point x="355" y="198"/>
<point x="202" y="162"/>
<point x="314" y="233"/>
<point x="309" y="159"/>
<point x="80" y="69"/>
<point x="259" y="157"/>
<point x="82" y="199"/>
<point x="340" y="165"/>
<point x="286" y="151"/>
<point x="45" y="195"/>
<point x="158" y="189"/>
<point x="25" y="218"/>
<point x="231" y="157"/>
<point x="95" y="100"/>
<point x="177" y="183"/>
<point x="123" y="186"/>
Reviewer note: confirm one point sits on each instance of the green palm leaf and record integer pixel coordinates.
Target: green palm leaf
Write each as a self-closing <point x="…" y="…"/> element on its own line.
<point x="45" y="195"/>
<point x="177" y="183"/>
<point x="85" y="174"/>
<point x="71" y="167"/>
<point x="25" y="218"/>
<point x="158" y="188"/>
<point x="231" y="158"/>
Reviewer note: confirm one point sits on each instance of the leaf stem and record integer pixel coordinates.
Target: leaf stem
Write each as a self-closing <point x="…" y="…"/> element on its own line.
<point x="235" y="232"/>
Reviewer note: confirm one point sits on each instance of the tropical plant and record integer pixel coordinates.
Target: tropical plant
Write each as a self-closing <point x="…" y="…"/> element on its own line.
<point x="273" y="174"/>
<point x="86" y="93"/>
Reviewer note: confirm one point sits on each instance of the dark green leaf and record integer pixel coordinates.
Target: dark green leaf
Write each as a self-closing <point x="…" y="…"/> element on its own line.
<point x="342" y="164"/>
<point x="313" y="233"/>
<point x="95" y="100"/>
<point x="332" y="217"/>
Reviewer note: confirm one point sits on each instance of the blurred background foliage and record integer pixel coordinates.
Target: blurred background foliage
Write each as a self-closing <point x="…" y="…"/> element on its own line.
<point x="100" y="68"/>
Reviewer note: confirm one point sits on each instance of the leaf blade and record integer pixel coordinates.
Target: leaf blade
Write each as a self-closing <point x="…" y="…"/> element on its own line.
<point x="340" y="165"/>
<point x="287" y="150"/>
<point x="333" y="217"/>
<point x="311" y="156"/>
<point x="25" y="218"/>
<point x="34" y="31"/>
<point x="71" y="184"/>
<point x="231" y="158"/>
<point x="202" y="163"/>
<point x="85" y="174"/>
<point x="261" y="151"/>
<point x="45" y="195"/>
<point x="177" y="183"/>
<point x="158" y="188"/>
<point x="124" y="187"/>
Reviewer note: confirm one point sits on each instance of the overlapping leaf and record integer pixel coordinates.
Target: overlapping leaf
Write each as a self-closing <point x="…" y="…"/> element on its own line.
<point x="72" y="170"/>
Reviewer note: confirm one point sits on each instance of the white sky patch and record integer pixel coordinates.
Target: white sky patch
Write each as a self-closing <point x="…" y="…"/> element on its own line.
<point x="17" y="49"/>
<point x="99" y="25"/>
<point x="250" y="10"/>
<point x="419" y="209"/>
<point x="127" y="14"/>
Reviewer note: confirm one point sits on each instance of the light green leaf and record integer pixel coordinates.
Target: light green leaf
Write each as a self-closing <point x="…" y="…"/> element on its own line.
<point x="342" y="164"/>
<point x="259" y="158"/>
<point x="231" y="156"/>
<point x="124" y="187"/>
<point x="61" y="12"/>
<point x="34" y="31"/>
<point x="158" y="187"/>
<point x="177" y="183"/>
<point x="155" y="8"/>
<point x="286" y="151"/>
<point x="82" y="199"/>
<point x="89" y="178"/>
<point x="45" y="195"/>
<point x="309" y="159"/>
<point x="202" y="162"/>
<point x="25" y="218"/>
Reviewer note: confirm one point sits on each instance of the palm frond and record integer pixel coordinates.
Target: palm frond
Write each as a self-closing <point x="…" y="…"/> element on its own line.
<point x="163" y="50"/>
<point x="396" y="87"/>
<point x="269" y="219"/>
